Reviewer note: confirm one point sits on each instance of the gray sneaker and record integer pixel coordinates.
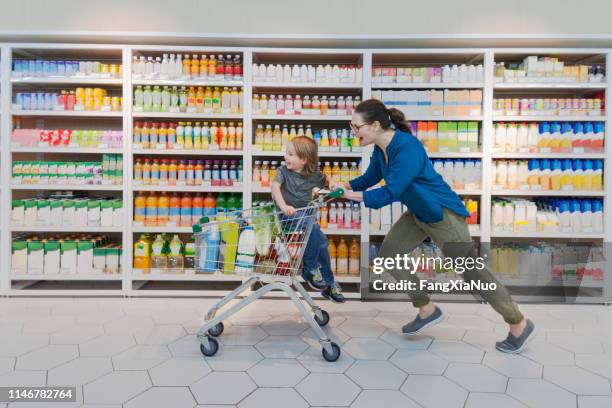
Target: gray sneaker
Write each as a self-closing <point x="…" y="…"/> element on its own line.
<point x="418" y="324"/>
<point x="514" y="345"/>
<point x="314" y="279"/>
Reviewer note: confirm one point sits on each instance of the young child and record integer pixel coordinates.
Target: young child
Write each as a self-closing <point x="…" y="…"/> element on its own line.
<point x="292" y="188"/>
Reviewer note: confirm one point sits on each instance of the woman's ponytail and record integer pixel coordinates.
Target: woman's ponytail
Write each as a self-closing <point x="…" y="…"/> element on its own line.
<point x="374" y="110"/>
<point x="399" y="120"/>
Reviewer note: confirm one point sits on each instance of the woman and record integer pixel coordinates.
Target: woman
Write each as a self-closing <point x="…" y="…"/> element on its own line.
<point x="435" y="211"/>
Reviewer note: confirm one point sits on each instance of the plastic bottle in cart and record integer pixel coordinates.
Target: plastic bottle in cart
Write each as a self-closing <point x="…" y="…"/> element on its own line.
<point x="354" y="258"/>
<point x="332" y="254"/>
<point x="342" y="258"/>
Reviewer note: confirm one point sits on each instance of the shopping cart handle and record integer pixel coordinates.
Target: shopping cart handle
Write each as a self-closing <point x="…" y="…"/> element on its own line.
<point x="337" y="193"/>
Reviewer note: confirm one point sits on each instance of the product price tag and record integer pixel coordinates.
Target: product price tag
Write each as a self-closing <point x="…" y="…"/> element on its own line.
<point x="173" y="109"/>
<point x="134" y="108"/>
<point x="191" y="109"/>
<point x="524" y="187"/>
<point x="161" y="147"/>
<point x="545" y="150"/>
<point x="578" y="150"/>
<point x="498" y="187"/>
<point x="443" y="149"/>
<point x="524" y="150"/>
<point x="568" y="188"/>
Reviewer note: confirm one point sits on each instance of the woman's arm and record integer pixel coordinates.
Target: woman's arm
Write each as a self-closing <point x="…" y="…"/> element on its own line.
<point x="370" y="178"/>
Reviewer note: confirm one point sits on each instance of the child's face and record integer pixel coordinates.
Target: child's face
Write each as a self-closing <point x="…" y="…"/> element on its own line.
<point x="292" y="161"/>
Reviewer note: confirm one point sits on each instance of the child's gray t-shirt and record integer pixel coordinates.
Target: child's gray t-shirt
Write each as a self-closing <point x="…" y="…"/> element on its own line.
<point x="297" y="189"/>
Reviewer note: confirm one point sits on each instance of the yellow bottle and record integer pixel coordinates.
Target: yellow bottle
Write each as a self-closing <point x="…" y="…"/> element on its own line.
<point x="226" y="97"/>
<point x="197" y="136"/>
<point x="212" y="66"/>
<point x="235" y="95"/>
<point x="223" y="140"/>
<point x="216" y="100"/>
<point x="180" y="139"/>
<point x="205" y="136"/>
<point x="354" y="258"/>
<point x="335" y="172"/>
<point x="267" y="139"/>
<point x="200" y="99"/>
<point x="188" y="136"/>
<point x="345" y="173"/>
<point x="327" y="170"/>
<point x="208" y="96"/>
<point x="277" y="142"/>
<point x="259" y="136"/>
<point x="342" y="258"/>
<point x="332" y="254"/>
<point x="186" y="65"/>
<point x="142" y="254"/>
<point x="204" y="66"/>
<point x="191" y="97"/>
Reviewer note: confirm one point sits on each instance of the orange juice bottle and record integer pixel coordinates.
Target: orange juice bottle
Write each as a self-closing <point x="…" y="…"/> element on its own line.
<point x="186" y="211"/>
<point x="174" y="211"/>
<point x="140" y="205"/>
<point x="208" y="96"/>
<point x="146" y="172"/>
<point x="151" y="211"/>
<point x="163" y="173"/>
<point x="145" y="135"/>
<point x="335" y="172"/>
<point x="163" y="205"/>
<point x="342" y="258"/>
<point x="332" y="255"/>
<point x="181" y="174"/>
<point x="190" y="173"/>
<point x="195" y="66"/>
<point x="204" y="66"/>
<point x="155" y="172"/>
<point x="223" y="139"/>
<point x="354" y="258"/>
<point x="200" y="99"/>
<point x="197" y="210"/>
<point x="138" y="172"/>
<point x="142" y="253"/>
<point x="186" y="65"/>
<point x="191" y="97"/>
<point x="216" y="100"/>
<point x="172" y="172"/>
<point x="324" y="218"/>
<point x="327" y="170"/>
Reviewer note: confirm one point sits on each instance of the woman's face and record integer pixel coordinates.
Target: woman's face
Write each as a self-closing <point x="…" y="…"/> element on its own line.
<point x="366" y="132"/>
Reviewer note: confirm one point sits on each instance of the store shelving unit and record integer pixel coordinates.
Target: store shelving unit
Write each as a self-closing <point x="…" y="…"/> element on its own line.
<point x="135" y="283"/>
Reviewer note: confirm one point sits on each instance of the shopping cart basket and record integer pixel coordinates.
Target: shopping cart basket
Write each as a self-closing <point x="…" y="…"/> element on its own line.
<point x="264" y="246"/>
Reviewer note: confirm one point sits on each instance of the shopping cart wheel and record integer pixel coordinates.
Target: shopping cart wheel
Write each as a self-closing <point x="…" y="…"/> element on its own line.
<point x="216" y="330"/>
<point x="324" y="320"/>
<point x="211" y="348"/>
<point x="335" y="354"/>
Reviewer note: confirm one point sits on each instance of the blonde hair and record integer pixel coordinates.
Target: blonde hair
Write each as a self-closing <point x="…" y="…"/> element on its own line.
<point x="306" y="149"/>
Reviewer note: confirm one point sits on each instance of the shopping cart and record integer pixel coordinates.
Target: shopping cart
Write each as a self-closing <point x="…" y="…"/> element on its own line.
<point x="273" y="259"/>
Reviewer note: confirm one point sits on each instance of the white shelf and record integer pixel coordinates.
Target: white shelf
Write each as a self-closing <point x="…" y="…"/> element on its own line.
<point x="455" y="155"/>
<point x="186" y="115"/>
<point x="342" y="231"/>
<point x="99" y="277"/>
<point x="547" y="193"/>
<point x="201" y="189"/>
<point x="260" y="189"/>
<point x="426" y="85"/>
<point x="189" y="152"/>
<point x="544" y="85"/>
<point x="304" y="118"/>
<point x="77" y="187"/>
<point x="137" y="274"/>
<point x="430" y="118"/>
<point x="268" y="153"/>
<point x="67" y="80"/>
<point x="560" y="235"/>
<point x="307" y="85"/>
<point x="161" y="230"/>
<point x="76" y="114"/>
<point x="68" y="150"/>
<point x="474" y="231"/>
<point x="570" y="155"/>
<point x="23" y="228"/>
<point x="468" y="192"/>
<point x="186" y="82"/>
<point x="554" y="118"/>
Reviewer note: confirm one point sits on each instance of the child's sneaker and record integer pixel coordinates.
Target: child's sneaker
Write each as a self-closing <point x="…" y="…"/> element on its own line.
<point x="314" y="279"/>
<point x="334" y="293"/>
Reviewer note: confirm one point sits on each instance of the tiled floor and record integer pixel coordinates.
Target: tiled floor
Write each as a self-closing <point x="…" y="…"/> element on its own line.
<point x="144" y="353"/>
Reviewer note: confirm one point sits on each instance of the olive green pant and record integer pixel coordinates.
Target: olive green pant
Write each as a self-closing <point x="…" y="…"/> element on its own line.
<point x="453" y="237"/>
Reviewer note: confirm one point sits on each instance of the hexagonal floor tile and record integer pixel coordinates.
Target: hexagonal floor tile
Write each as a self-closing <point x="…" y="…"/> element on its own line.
<point x="336" y="335"/>
<point x="588" y="401"/>
<point x="188" y="346"/>
<point x="444" y="332"/>
<point x="47" y="357"/>
<point x="484" y="340"/>
<point x="80" y="371"/>
<point x="77" y="334"/>
<point x="281" y="326"/>
<point x="368" y="349"/>
<point x="362" y="328"/>
<point x="419" y="362"/>
<point x="6" y="364"/>
<point x="174" y="316"/>
<point x="476" y="377"/>
<point x="234" y="358"/>
<point x="281" y="347"/>
<point x="488" y="400"/>
<point x="107" y="345"/>
<point x="128" y="325"/>
<point x="124" y="385"/>
<point x="274" y="397"/>
<point x="546" y="353"/>
<point x="601" y="365"/>
<point x="160" y="335"/>
<point x="229" y="388"/>
<point x="344" y="391"/>
<point x="470" y="322"/>
<point x="47" y="325"/>
<point x="242" y="335"/>
<point x="141" y="358"/>
<point x="434" y="391"/>
<point x="575" y="343"/>
<point x="376" y="375"/>
<point x="540" y="393"/>
<point x="163" y="397"/>
<point x="277" y="373"/>
<point x="400" y="341"/>
<point x="512" y="365"/>
<point x="577" y="380"/>
<point x="390" y="399"/>
<point x="314" y="362"/>
<point x="20" y="378"/>
<point x="178" y="372"/>
<point x="393" y="320"/>
<point x="13" y="346"/>
<point x="456" y="351"/>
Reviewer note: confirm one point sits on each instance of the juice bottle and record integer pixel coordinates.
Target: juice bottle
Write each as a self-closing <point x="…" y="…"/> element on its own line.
<point x="342" y="258"/>
<point x="555" y="177"/>
<point x="345" y="173"/>
<point x="151" y="211"/>
<point x="174" y="210"/>
<point x="277" y="138"/>
<point x="142" y="253"/>
<point x="216" y="100"/>
<point x="214" y="136"/>
<point x="172" y="172"/>
<point x="204" y="66"/>
<point x="159" y="258"/>
<point x="190" y="173"/>
<point x="577" y="174"/>
<point x="189" y="253"/>
<point x="222" y="136"/>
<point x="545" y="174"/>
<point x="188" y="136"/>
<point x="323" y="217"/>
<point x="332" y="255"/>
<point x="587" y="175"/>
<point x="226" y="100"/>
<point x="566" y="137"/>
<point x="208" y="97"/>
<point x="555" y="137"/>
<point x="220" y="70"/>
<point x="235" y="100"/>
<point x="180" y="135"/>
<point x="197" y="210"/>
<point x="197" y="136"/>
<point x="186" y="66"/>
<point x="597" y="182"/>
<point x="544" y="137"/>
<point x="199" y="99"/>
<point x="140" y="205"/>
<point x="186" y="209"/>
<point x="146" y="172"/>
<point x="181" y="178"/>
<point x="163" y="211"/>
<point x="265" y="174"/>
<point x="199" y="173"/>
<point x="155" y="172"/>
<point x="239" y="139"/>
<point x="212" y="66"/>
<point x="231" y="136"/>
<point x="175" y="254"/>
<point x="137" y="139"/>
<point x="144" y="135"/>
<point x="163" y="172"/>
<point x="354" y="260"/>
<point x="210" y="205"/>
<point x="566" y="174"/>
<point x="205" y="136"/>
<point x="138" y="172"/>
<point x="257" y="172"/>
<point x="534" y="174"/>
<point x="335" y="172"/>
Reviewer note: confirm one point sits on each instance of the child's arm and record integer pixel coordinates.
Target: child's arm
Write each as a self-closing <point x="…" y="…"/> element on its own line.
<point x="277" y="196"/>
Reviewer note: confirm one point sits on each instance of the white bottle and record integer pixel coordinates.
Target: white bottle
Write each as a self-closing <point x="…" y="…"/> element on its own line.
<point x="511" y="138"/>
<point x="149" y="67"/>
<point x="454" y="74"/>
<point x="136" y="73"/>
<point x="295" y="73"/>
<point x="163" y="69"/>
<point x="271" y="73"/>
<point x="333" y="216"/>
<point x="320" y="76"/>
<point x="286" y="74"/>
<point x="279" y="73"/>
<point x="463" y="74"/>
<point x="479" y="73"/>
<point x="178" y="66"/>
<point x="522" y="144"/>
<point x="245" y="256"/>
<point x="532" y="137"/>
<point x="471" y="77"/>
<point x="157" y="67"/>
<point x="328" y="73"/>
<point x="335" y="74"/>
<point x="303" y="73"/>
<point x="312" y="74"/>
<point x="499" y="141"/>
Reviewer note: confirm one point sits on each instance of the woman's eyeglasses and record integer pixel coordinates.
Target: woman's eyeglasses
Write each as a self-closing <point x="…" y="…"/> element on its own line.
<point x="355" y="128"/>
